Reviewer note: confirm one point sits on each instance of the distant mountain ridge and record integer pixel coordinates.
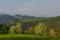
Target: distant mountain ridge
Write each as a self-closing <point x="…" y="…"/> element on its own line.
<point x="6" y="18"/>
<point x="9" y="18"/>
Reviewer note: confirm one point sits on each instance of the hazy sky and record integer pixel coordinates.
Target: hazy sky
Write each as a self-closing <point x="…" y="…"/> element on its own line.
<point x="43" y="8"/>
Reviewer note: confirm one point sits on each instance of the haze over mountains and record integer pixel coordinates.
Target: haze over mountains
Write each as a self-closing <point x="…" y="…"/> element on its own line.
<point x="10" y="18"/>
<point x="4" y="18"/>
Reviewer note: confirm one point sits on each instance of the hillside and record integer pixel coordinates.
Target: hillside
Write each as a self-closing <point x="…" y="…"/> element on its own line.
<point x="6" y="19"/>
<point x="9" y="18"/>
<point x="19" y="24"/>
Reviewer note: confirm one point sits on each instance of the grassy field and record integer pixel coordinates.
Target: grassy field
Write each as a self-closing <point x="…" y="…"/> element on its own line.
<point x="24" y="37"/>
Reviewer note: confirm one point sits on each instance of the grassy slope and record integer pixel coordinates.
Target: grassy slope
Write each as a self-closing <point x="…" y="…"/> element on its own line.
<point x="24" y="37"/>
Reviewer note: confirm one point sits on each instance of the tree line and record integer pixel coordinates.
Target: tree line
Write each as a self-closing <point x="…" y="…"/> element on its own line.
<point x="49" y="27"/>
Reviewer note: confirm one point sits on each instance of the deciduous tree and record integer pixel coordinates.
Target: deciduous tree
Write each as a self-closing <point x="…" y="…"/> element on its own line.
<point x="40" y="29"/>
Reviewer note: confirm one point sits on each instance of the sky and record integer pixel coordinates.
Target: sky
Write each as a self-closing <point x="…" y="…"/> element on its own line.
<point x="39" y="8"/>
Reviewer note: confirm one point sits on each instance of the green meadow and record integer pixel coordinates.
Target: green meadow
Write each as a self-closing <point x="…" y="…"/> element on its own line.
<point x="24" y="37"/>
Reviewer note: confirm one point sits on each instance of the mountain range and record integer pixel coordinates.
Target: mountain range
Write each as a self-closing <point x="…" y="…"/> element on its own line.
<point x="9" y="18"/>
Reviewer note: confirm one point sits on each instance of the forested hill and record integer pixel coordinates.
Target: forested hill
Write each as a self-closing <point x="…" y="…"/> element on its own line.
<point x="8" y="18"/>
<point x="19" y="24"/>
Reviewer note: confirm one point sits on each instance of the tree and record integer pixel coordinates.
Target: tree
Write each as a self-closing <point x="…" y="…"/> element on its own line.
<point x="11" y="30"/>
<point x="16" y="29"/>
<point x="30" y="30"/>
<point x="52" y="33"/>
<point x="3" y="29"/>
<point x="40" y="29"/>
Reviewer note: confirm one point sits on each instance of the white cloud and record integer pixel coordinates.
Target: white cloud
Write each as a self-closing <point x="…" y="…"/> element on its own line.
<point x="50" y="8"/>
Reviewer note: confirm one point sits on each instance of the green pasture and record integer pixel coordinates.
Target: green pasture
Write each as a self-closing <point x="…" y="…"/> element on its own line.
<point x="24" y="37"/>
